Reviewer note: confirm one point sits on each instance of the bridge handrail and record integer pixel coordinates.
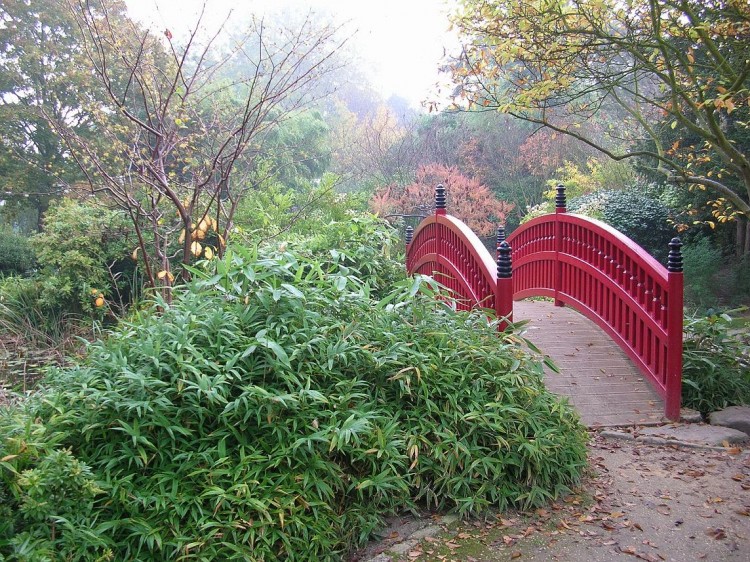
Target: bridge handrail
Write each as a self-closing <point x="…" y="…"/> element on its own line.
<point x="587" y="264"/>
<point x="579" y="261"/>
<point x="441" y="242"/>
<point x="444" y="246"/>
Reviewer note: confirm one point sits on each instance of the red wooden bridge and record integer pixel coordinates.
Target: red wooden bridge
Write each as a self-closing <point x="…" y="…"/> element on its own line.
<point x="617" y="288"/>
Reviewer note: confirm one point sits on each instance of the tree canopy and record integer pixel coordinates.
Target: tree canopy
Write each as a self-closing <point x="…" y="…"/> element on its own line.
<point x="42" y="70"/>
<point x="673" y="75"/>
<point x="184" y="133"/>
<point x="469" y="199"/>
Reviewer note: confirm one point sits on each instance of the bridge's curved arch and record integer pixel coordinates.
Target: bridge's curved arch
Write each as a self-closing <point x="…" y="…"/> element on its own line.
<point x="445" y="248"/>
<point x="588" y="265"/>
<point x="578" y="261"/>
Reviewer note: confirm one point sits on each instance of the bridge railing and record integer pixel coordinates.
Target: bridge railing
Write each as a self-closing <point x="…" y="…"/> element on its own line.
<point x="442" y="246"/>
<point x="577" y="261"/>
<point x="586" y="264"/>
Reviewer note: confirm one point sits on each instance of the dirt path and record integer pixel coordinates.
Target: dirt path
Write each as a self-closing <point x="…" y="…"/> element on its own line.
<point x="640" y="502"/>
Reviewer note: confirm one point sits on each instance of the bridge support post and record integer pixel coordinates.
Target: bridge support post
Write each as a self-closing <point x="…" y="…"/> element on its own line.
<point x="560" y="207"/>
<point x="504" y="286"/>
<point x="440" y="202"/>
<point x="675" y="313"/>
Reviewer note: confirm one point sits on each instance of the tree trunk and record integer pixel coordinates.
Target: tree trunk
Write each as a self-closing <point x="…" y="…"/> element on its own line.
<point x="743" y="237"/>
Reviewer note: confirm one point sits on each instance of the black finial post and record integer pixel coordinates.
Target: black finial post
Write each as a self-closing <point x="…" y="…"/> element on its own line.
<point x="504" y="261"/>
<point x="440" y="199"/>
<point x="674" y="260"/>
<point x="500" y="235"/>
<point x="409" y="235"/>
<point x="560" y="202"/>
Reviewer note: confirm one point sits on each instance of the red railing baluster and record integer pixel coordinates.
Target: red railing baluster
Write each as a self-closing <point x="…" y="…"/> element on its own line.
<point x="577" y="261"/>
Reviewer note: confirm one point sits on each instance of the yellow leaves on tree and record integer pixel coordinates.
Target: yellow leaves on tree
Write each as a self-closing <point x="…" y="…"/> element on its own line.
<point x="662" y="70"/>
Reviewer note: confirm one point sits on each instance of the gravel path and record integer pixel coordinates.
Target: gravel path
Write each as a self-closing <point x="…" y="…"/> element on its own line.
<point x="653" y="503"/>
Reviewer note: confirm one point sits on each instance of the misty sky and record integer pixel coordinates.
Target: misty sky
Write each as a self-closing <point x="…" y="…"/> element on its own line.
<point x="400" y="42"/>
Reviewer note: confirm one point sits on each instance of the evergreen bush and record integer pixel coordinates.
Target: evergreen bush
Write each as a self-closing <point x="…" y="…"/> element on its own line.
<point x="276" y="410"/>
<point x="715" y="364"/>
<point x="702" y="262"/>
<point x="634" y="213"/>
<point x="16" y="255"/>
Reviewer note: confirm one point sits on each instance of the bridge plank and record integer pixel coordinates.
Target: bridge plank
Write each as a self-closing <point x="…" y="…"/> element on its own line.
<point x="596" y="375"/>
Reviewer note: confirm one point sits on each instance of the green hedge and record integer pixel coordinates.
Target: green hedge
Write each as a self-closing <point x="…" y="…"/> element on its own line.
<point x="715" y="364"/>
<point x="277" y="411"/>
<point x="16" y="255"/>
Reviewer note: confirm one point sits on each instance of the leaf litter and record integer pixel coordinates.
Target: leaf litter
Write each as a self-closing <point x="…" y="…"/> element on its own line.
<point x="638" y="502"/>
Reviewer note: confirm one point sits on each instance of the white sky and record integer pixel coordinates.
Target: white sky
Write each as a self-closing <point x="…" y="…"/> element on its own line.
<point x="400" y="41"/>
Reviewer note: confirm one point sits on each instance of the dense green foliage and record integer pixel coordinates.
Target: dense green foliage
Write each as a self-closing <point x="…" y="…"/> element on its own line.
<point x="16" y="255"/>
<point x="275" y="210"/>
<point x="632" y="212"/>
<point x="278" y="410"/>
<point x="83" y="272"/>
<point x="702" y="262"/>
<point x="46" y="494"/>
<point x="83" y="247"/>
<point x="716" y="364"/>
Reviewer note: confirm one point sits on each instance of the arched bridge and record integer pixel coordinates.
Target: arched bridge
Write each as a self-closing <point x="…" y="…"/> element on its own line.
<point x="617" y="288"/>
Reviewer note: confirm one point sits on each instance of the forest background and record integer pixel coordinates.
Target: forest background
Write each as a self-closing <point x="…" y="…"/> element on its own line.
<point x="248" y="146"/>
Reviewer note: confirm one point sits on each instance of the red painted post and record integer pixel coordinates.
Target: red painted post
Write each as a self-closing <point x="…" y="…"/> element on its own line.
<point x="673" y="382"/>
<point x="504" y="286"/>
<point x="559" y="208"/>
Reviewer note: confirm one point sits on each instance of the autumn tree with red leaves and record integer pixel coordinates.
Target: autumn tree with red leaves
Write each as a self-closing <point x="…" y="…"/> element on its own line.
<point x="468" y="199"/>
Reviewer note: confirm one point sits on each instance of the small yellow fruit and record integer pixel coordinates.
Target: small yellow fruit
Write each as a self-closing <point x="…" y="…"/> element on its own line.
<point x="181" y="239"/>
<point x="208" y="253"/>
<point x="99" y="301"/>
<point x="196" y="248"/>
<point x="94" y="291"/>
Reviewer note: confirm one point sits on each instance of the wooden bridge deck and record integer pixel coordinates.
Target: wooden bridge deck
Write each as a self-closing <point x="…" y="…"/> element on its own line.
<point x="599" y="379"/>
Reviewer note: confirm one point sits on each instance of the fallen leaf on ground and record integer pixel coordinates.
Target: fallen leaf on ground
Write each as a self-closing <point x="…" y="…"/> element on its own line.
<point x="717" y="533"/>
